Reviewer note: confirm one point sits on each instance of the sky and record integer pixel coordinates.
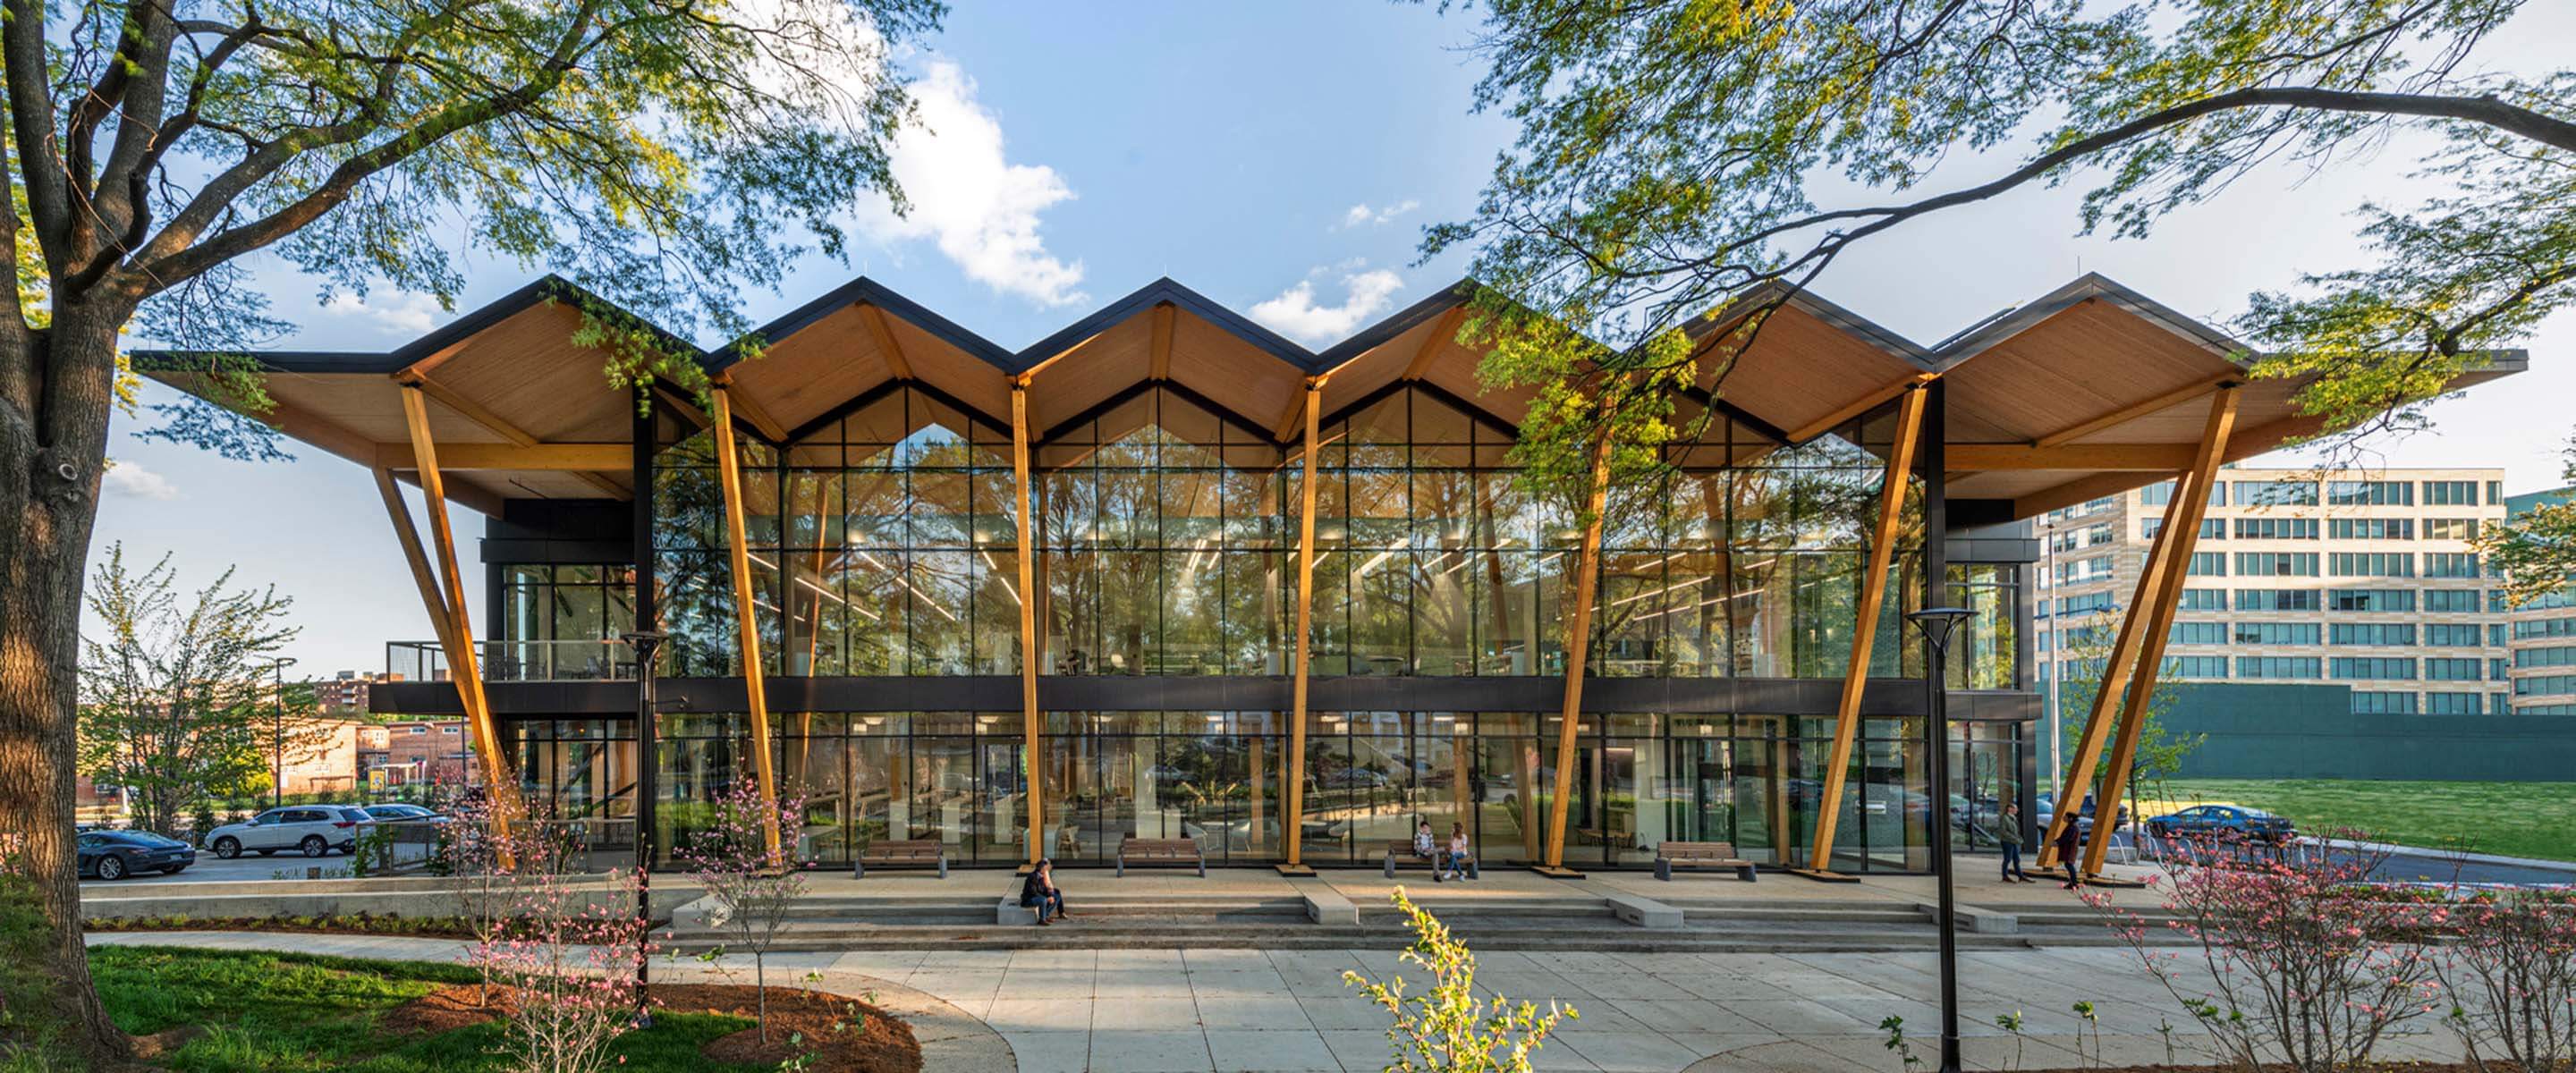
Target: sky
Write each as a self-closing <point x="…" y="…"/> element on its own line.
<point x="1281" y="159"/>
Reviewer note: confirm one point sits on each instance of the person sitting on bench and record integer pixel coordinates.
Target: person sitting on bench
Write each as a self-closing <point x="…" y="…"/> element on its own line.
<point x="1459" y="856"/>
<point x="1040" y="893"/>
<point x="1423" y="844"/>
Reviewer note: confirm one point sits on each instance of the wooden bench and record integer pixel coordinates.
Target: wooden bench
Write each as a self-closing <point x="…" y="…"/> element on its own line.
<point x="925" y="852"/>
<point x="1671" y="855"/>
<point x="1179" y="851"/>
<point x="1399" y="854"/>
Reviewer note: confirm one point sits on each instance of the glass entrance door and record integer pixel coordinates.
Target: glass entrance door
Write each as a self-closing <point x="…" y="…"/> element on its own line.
<point x="1703" y="803"/>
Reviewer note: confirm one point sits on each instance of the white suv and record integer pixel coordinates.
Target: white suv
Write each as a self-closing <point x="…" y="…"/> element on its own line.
<point x="312" y="830"/>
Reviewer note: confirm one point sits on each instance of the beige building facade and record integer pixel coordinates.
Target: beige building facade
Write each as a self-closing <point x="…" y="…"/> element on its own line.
<point x="2365" y="578"/>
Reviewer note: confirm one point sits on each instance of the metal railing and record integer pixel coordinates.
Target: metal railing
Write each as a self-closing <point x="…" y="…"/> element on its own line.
<point x="519" y="661"/>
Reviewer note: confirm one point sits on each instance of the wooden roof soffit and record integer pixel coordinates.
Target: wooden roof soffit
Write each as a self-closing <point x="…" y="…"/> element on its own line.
<point x="585" y="459"/>
<point x="883" y="333"/>
<point x="1857" y="407"/>
<point x="2241" y="446"/>
<point x="414" y="377"/>
<point x="1288" y="427"/>
<point x="745" y="407"/>
<point x="1161" y="368"/>
<point x="2129" y="457"/>
<point x="1441" y="334"/>
<point x="2139" y="409"/>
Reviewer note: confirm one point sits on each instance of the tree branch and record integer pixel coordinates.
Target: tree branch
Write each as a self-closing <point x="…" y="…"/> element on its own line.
<point x="24" y="61"/>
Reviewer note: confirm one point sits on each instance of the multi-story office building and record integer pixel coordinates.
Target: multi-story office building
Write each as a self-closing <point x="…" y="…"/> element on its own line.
<point x="2367" y="578"/>
<point x="2544" y="636"/>
<point x="345" y="693"/>
<point x="1165" y="574"/>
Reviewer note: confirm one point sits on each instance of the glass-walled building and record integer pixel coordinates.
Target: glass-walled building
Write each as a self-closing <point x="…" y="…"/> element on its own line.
<point x="1125" y="660"/>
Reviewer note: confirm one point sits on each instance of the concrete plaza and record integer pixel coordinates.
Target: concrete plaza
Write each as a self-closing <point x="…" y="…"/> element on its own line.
<point x="1279" y="1011"/>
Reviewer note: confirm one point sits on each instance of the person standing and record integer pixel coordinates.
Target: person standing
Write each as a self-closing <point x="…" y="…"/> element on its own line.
<point x="2070" y="847"/>
<point x="2008" y="838"/>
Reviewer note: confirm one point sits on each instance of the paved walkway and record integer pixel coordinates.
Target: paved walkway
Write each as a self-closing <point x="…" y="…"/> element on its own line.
<point x="1242" y="1011"/>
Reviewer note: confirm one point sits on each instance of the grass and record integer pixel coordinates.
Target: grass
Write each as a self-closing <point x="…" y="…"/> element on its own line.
<point x="2517" y="819"/>
<point x="291" y="1013"/>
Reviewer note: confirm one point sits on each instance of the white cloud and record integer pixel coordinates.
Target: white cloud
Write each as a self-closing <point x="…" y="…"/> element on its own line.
<point x="1364" y="214"/>
<point x="394" y="313"/>
<point x="1293" y="312"/>
<point x="981" y="209"/>
<point x="130" y="480"/>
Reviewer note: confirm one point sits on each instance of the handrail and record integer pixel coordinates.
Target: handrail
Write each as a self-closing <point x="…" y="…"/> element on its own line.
<point x="519" y="661"/>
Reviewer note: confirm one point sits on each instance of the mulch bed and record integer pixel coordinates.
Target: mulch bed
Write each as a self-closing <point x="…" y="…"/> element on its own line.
<point x="359" y="924"/>
<point x="2281" y="1069"/>
<point x="839" y="1035"/>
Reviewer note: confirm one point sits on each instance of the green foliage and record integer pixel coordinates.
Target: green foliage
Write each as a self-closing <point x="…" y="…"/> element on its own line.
<point x="29" y="1034"/>
<point x="179" y="697"/>
<point x="2535" y="549"/>
<point x="1449" y="1028"/>
<point x="1675" y="155"/>
<point x="2160" y="754"/>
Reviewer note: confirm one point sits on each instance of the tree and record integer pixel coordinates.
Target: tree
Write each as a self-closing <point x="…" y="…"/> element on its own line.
<point x="2160" y="754"/>
<point x="661" y="153"/>
<point x="754" y="887"/>
<point x="177" y="700"/>
<point x="1674" y="154"/>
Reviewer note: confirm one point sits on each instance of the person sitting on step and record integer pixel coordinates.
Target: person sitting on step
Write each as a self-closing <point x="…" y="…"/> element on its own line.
<point x="1040" y="893"/>
<point x="1459" y="855"/>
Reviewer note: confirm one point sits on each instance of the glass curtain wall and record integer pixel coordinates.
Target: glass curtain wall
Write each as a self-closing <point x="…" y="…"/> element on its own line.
<point x="1219" y="778"/>
<point x="1164" y="548"/>
<point x="560" y="621"/>
<point x="882" y="545"/>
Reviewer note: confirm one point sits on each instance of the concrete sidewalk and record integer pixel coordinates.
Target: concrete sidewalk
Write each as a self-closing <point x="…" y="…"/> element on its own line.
<point x="1240" y="1011"/>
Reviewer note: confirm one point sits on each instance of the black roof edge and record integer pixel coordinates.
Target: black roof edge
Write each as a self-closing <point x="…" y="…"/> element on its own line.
<point x="1822" y="308"/>
<point x="1153" y="294"/>
<point x="148" y="362"/>
<point x="1404" y="320"/>
<point x="863" y="290"/>
<point x="547" y="288"/>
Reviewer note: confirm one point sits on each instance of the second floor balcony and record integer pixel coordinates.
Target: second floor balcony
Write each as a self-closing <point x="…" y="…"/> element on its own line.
<point x="518" y="661"/>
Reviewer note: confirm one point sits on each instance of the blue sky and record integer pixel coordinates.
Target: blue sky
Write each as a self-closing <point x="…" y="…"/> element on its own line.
<point x="1280" y="158"/>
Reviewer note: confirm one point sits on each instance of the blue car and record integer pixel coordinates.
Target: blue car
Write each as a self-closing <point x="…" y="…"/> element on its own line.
<point x="2205" y="821"/>
<point x="114" y="855"/>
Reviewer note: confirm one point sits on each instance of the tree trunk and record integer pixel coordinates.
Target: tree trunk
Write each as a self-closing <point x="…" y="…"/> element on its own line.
<point x="51" y="447"/>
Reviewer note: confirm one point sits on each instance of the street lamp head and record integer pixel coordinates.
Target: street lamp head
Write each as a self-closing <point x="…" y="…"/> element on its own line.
<point x="1937" y="624"/>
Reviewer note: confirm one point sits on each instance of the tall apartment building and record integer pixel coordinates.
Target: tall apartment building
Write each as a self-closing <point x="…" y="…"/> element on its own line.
<point x="2363" y="578"/>
<point x="2544" y="636"/>
<point x="345" y="693"/>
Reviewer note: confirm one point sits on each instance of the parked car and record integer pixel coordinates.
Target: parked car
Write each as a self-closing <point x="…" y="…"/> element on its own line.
<point x="312" y="830"/>
<point x="397" y="813"/>
<point x="2206" y="820"/>
<point x="2083" y="817"/>
<point x="114" y="855"/>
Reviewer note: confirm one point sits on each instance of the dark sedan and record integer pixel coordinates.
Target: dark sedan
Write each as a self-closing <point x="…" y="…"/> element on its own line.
<point x="2237" y="821"/>
<point x="113" y="855"/>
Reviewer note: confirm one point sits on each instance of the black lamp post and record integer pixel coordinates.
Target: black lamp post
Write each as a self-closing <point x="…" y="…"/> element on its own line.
<point x="1937" y="623"/>
<point x="645" y="643"/>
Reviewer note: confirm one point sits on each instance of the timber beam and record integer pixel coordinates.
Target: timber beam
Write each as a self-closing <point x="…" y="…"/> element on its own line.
<point x="535" y="458"/>
<point x="448" y="608"/>
<point x="1032" y="654"/>
<point x="2133" y="714"/>
<point x="2140" y="457"/>
<point x="1293" y="823"/>
<point x="1873" y="592"/>
<point x="1857" y="407"/>
<point x="746" y="609"/>
<point x="1578" y="645"/>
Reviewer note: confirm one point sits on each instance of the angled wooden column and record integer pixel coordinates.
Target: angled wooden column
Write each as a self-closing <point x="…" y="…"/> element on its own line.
<point x="2133" y="714"/>
<point x="1293" y="823"/>
<point x="1030" y="656"/>
<point x="1587" y="566"/>
<point x="2152" y="578"/>
<point x="746" y="615"/>
<point x="1873" y="590"/>
<point x="446" y="604"/>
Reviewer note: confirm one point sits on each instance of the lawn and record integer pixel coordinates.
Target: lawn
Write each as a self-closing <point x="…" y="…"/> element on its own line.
<point x="2517" y="819"/>
<point x="294" y="1012"/>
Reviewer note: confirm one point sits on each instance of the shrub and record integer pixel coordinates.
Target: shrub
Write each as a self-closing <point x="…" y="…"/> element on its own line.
<point x="2512" y="978"/>
<point x="753" y="886"/>
<point x="2300" y="965"/>
<point x="1448" y="1028"/>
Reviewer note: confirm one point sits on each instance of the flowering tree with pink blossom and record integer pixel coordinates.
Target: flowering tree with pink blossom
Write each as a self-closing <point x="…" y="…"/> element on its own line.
<point x="2512" y="978"/>
<point x="2298" y="959"/>
<point x="751" y="886"/>
<point x="555" y="945"/>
